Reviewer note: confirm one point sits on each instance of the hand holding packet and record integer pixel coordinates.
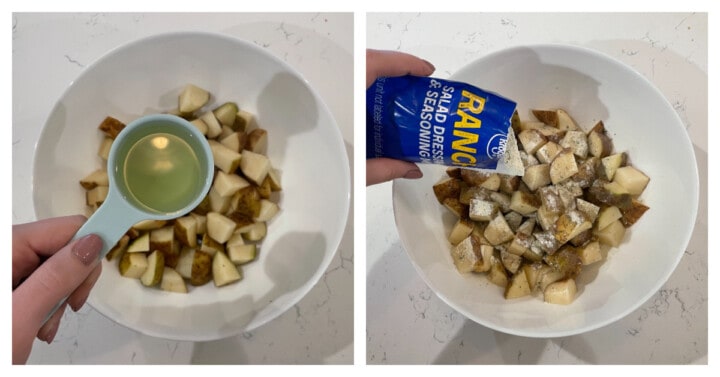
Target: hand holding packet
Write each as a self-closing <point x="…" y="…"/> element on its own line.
<point x="437" y="121"/>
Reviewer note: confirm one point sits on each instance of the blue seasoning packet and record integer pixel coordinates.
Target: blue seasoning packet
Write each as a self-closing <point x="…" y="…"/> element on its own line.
<point x="436" y="121"/>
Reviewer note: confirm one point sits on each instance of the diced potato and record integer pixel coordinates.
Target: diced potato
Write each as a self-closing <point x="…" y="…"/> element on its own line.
<point x="537" y="176"/>
<point x="520" y="243"/>
<point x="210" y="246"/>
<point x="201" y="269"/>
<point x="185" y="262"/>
<point x="133" y="265"/>
<point x="96" y="178"/>
<point x="225" y="113"/>
<point x="244" y="121"/>
<point x="599" y="144"/>
<point x="186" y="230"/>
<point x="610" y="164"/>
<point x="563" y="166"/>
<point x="257" y="232"/>
<point x="633" y="180"/>
<point x="612" y="234"/>
<point x="548" y="117"/>
<point x="154" y="271"/>
<point x="547" y="152"/>
<point x="228" y="184"/>
<point x="590" y="210"/>
<point x="497" y="274"/>
<point x="200" y="125"/>
<point x="524" y="203"/>
<point x="104" y="149"/>
<point x="570" y="224"/>
<point x="482" y="210"/>
<point x="461" y="230"/>
<point x="275" y="184"/>
<point x="565" y="122"/>
<point x="498" y="231"/>
<point x="257" y="141"/>
<point x="268" y="210"/>
<point x="254" y="166"/>
<point x="219" y="227"/>
<point x="140" y="244"/>
<point x="510" y="261"/>
<point x="447" y="188"/>
<point x="518" y="286"/>
<point x="96" y="196"/>
<point x="172" y="281"/>
<point x="213" y="125"/>
<point x="576" y="141"/>
<point x="111" y="127"/>
<point x="466" y="255"/>
<point x="633" y="213"/>
<point x="607" y="216"/>
<point x="457" y="208"/>
<point x="590" y="253"/>
<point x="561" y="292"/>
<point x="224" y="271"/>
<point x="149" y="224"/>
<point x="235" y="141"/>
<point x="119" y="248"/>
<point x="242" y="254"/>
<point x="531" y="140"/>
<point x="192" y="98"/>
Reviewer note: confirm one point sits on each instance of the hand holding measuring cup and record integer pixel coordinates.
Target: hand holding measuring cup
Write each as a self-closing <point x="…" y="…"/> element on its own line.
<point x="160" y="167"/>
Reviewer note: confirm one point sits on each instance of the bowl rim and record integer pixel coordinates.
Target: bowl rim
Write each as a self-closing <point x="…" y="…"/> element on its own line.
<point x="333" y="243"/>
<point x="661" y="281"/>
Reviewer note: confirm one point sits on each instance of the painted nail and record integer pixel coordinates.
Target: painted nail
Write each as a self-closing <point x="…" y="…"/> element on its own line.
<point x="432" y="67"/>
<point x="413" y="174"/>
<point x="87" y="249"/>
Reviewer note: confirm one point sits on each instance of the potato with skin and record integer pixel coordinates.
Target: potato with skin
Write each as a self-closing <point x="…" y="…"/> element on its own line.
<point x="201" y="270"/>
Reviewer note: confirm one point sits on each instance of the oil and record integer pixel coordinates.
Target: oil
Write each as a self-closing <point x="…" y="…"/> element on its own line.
<point x="162" y="172"/>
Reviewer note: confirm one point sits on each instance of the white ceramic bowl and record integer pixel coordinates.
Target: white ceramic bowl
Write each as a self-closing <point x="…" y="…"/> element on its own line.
<point x="146" y="77"/>
<point x="592" y="87"/>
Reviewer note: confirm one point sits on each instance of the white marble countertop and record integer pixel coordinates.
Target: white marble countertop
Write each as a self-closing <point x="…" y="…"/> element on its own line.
<point x="409" y="324"/>
<point x="50" y="50"/>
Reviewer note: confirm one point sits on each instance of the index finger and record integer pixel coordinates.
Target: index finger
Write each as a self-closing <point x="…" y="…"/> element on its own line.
<point x="45" y="237"/>
<point x="381" y="63"/>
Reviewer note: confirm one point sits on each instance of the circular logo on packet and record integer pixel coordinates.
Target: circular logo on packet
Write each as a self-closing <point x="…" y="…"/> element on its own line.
<point x="496" y="146"/>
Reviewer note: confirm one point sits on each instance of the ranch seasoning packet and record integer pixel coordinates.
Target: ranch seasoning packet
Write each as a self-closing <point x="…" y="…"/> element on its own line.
<point x="436" y="121"/>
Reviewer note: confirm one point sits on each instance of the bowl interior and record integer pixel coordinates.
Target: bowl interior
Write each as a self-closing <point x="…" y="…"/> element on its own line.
<point x="145" y="77"/>
<point x="592" y="87"/>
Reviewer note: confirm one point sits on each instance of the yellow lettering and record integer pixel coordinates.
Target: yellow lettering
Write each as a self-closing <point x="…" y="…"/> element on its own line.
<point x="464" y="139"/>
<point x="463" y="159"/>
<point x="475" y="104"/>
<point x="467" y="121"/>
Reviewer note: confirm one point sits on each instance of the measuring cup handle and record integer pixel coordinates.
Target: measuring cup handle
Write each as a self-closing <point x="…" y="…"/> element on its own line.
<point x="110" y="222"/>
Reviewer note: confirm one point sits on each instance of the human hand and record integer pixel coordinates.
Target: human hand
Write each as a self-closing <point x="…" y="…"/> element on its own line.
<point x="45" y="270"/>
<point x="390" y="64"/>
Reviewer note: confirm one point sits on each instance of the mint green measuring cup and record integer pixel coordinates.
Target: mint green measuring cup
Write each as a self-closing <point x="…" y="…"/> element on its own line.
<point x="160" y="167"/>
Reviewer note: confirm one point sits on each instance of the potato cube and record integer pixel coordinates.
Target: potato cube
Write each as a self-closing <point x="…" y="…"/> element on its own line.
<point x="612" y="234"/>
<point x="606" y="216"/>
<point x="524" y="203"/>
<point x="531" y="140"/>
<point x="570" y="224"/>
<point x="576" y="141"/>
<point x="219" y="227"/>
<point x="510" y="261"/>
<point x="563" y="166"/>
<point x="590" y="253"/>
<point x="633" y="180"/>
<point x="466" y="255"/>
<point x="224" y="158"/>
<point x="610" y="164"/>
<point x="560" y="292"/>
<point x="590" y="210"/>
<point x="518" y="286"/>
<point x="537" y="176"/>
<point x="497" y="274"/>
<point x="98" y="177"/>
<point x="482" y="210"/>
<point x="462" y="229"/>
<point x="633" y="213"/>
<point x="498" y="231"/>
<point x="547" y="152"/>
<point x="228" y="184"/>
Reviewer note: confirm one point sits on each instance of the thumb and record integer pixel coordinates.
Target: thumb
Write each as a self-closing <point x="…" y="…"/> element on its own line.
<point x="58" y="277"/>
<point x="385" y="169"/>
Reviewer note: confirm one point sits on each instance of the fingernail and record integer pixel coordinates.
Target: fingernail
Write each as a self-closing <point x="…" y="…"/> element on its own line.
<point x="413" y="174"/>
<point x="87" y="249"/>
<point x="432" y="67"/>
